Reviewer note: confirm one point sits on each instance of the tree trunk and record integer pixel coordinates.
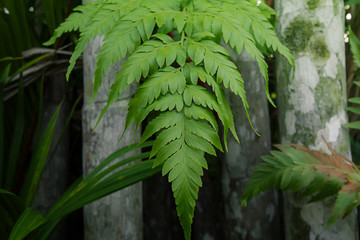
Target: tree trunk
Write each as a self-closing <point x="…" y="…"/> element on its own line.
<point x="118" y="216"/>
<point x="159" y="213"/>
<point x="54" y="179"/>
<point x="208" y="216"/>
<point x="312" y="105"/>
<point x="260" y="218"/>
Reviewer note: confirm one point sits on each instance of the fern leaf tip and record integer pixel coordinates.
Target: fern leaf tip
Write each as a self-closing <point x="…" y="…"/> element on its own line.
<point x="271" y="101"/>
<point x="68" y="75"/>
<point x="97" y="122"/>
<point x="48" y="43"/>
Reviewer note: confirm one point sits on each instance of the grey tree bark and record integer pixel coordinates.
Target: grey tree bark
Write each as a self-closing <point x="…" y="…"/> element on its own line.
<point x="118" y="216"/>
<point x="312" y="105"/>
<point x="260" y="218"/>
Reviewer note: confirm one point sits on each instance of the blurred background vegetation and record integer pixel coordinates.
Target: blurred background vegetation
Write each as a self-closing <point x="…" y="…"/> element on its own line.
<point x="353" y="74"/>
<point x="40" y="129"/>
<point x="32" y="87"/>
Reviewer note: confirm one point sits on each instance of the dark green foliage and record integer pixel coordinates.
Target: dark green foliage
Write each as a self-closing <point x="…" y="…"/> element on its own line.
<point x="355" y="49"/>
<point x="17" y="138"/>
<point x="314" y="173"/>
<point x="18" y="219"/>
<point x="174" y="46"/>
<point x="3" y="79"/>
<point x="18" y="222"/>
<point x="353" y="2"/>
<point x="40" y="156"/>
<point x="11" y="207"/>
<point x="29" y="218"/>
<point x="23" y="26"/>
<point x="354" y="109"/>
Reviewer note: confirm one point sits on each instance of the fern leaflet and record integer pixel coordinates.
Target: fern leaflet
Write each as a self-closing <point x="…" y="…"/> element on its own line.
<point x="315" y="173"/>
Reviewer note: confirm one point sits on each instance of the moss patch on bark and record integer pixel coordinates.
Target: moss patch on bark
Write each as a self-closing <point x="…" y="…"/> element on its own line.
<point x="319" y="50"/>
<point x="312" y="4"/>
<point x="298" y="34"/>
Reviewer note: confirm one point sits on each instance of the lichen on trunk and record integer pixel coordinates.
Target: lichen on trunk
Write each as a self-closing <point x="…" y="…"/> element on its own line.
<point x="312" y="105"/>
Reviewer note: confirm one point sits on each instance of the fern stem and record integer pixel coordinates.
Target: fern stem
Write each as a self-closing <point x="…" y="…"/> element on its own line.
<point x="182" y="38"/>
<point x="183" y="31"/>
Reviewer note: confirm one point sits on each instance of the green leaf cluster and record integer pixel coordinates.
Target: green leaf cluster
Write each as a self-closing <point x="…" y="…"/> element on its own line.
<point x="315" y="174"/>
<point x="174" y="51"/>
<point x="354" y="109"/>
<point x="355" y="49"/>
<point x="20" y="221"/>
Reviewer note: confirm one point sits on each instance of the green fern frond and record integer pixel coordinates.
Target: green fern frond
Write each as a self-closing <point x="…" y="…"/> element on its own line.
<point x="93" y="19"/>
<point x="77" y="20"/>
<point x="199" y="113"/>
<point x="180" y="146"/>
<point x="174" y="52"/>
<point x="230" y="26"/>
<point x="268" y="12"/>
<point x="315" y="173"/>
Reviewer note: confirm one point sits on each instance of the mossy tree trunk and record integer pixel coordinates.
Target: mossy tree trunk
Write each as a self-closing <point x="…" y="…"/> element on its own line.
<point x="118" y="216"/>
<point x="312" y="105"/>
<point x="260" y="218"/>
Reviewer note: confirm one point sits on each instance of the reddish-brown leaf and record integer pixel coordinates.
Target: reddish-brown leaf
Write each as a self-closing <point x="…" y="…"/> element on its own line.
<point x="350" y="187"/>
<point x="336" y="160"/>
